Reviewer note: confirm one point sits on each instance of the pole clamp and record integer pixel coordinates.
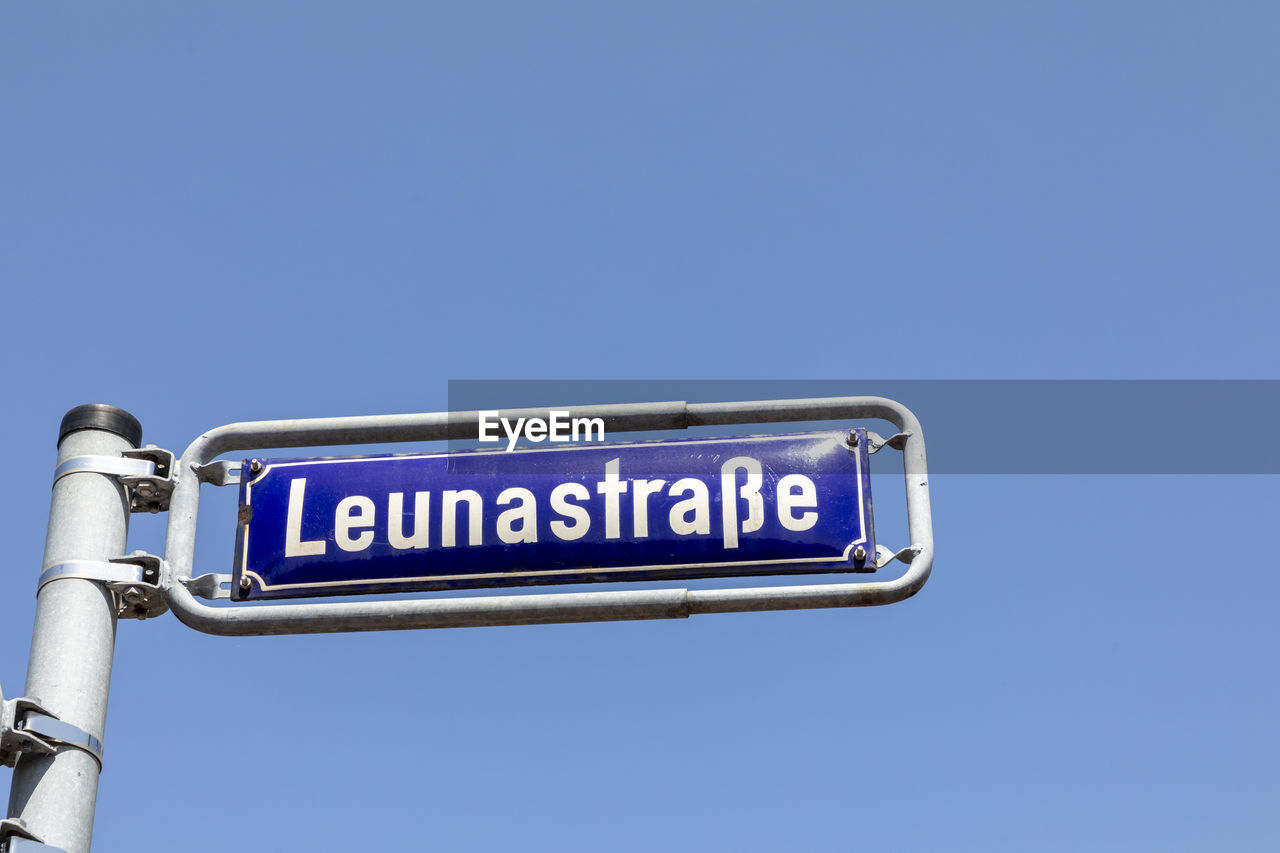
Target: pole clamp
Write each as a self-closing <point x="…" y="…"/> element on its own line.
<point x="14" y="740"/>
<point x="16" y="838"/>
<point x="134" y="580"/>
<point x="50" y="729"/>
<point x="147" y="473"/>
<point x="27" y="726"/>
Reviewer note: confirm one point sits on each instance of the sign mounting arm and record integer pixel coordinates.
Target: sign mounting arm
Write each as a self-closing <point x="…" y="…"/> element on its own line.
<point x="533" y="608"/>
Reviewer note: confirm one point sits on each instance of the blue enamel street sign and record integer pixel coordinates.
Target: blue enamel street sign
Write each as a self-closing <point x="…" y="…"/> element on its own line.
<point x="690" y="508"/>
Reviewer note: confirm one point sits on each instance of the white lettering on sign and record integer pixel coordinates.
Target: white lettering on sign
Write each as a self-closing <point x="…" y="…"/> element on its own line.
<point x="699" y="506"/>
<point x="395" y="521"/>
<point x="293" y="544"/>
<point x="353" y="513"/>
<point x="750" y="492"/>
<point x="640" y="505"/>
<point x="474" y="516"/>
<point x="357" y="522"/>
<point x="612" y="488"/>
<point x="795" y="491"/>
<point x="562" y="427"/>
<point x="560" y="504"/>
<point x="526" y="514"/>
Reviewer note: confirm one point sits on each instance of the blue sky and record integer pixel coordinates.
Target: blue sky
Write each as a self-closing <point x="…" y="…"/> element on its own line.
<point x="231" y="212"/>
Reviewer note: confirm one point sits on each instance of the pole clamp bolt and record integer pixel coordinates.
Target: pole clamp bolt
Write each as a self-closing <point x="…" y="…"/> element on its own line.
<point x="135" y="580"/>
<point x="147" y="474"/>
<point x="14" y="740"/>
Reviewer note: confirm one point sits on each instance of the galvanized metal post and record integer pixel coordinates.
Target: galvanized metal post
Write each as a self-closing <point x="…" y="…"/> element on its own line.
<point x="73" y="643"/>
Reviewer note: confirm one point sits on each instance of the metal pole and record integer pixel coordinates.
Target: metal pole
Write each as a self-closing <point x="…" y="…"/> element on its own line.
<point x="72" y="645"/>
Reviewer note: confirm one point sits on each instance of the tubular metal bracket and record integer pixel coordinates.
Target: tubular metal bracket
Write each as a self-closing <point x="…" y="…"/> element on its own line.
<point x="13" y="739"/>
<point x="181" y="585"/>
<point x="146" y="472"/>
<point x="896" y="441"/>
<point x="134" y="579"/>
<point x="221" y="472"/>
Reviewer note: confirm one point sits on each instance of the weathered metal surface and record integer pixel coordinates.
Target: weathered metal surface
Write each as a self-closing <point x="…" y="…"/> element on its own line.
<point x="73" y="643"/>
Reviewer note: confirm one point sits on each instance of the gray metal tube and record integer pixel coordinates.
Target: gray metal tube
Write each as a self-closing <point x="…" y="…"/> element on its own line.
<point x="72" y="646"/>
<point x="437" y="426"/>
<point x="543" y="608"/>
<point x="428" y="613"/>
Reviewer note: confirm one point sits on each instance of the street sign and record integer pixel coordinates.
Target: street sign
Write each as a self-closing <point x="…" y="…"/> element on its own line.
<point x="722" y="507"/>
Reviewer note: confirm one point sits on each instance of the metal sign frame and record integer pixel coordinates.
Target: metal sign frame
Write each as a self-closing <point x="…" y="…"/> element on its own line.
<point x="198" y="465"/>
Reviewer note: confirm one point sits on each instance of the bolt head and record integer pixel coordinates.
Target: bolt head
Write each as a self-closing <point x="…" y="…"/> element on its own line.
<point x="255" y="465"/>
<point x="246" y="582"/>
<point x="859" y="553"/>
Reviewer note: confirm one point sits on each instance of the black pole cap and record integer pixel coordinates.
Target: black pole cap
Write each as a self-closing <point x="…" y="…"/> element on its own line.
<point x="104" y="417"/>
